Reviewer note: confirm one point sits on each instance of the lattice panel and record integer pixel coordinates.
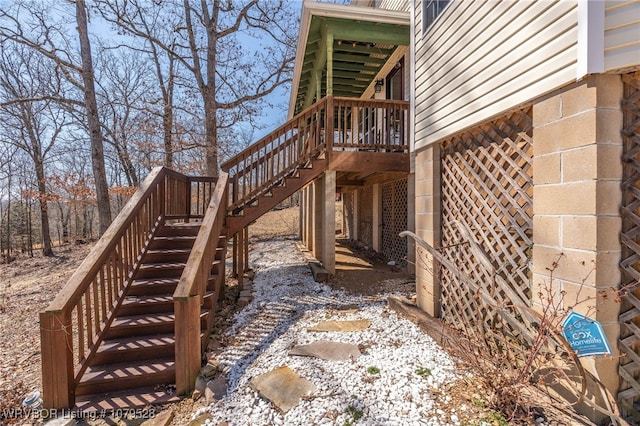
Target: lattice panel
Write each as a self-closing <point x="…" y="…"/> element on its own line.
<point x="487" y="185"/>
<point x="365" y="215"/>
<point x="629" y="343"/>
<point x="394" y="220"/>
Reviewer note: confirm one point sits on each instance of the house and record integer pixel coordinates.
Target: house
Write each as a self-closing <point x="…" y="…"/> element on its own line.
<point x="503" y="133"/>
<point x="523" y="127"/>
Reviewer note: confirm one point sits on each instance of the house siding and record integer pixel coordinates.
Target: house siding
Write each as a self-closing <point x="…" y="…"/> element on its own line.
<point x="483" y="57"/>
<point x="403" y="5"/>
<point x="621" y="40"/>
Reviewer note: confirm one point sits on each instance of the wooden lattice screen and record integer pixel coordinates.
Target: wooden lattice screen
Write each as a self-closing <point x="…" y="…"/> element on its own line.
<point x="487" y="186"/>
<point x="629" y="343"/>
<point x="365" y="215"/>
<point x="394" y="220"/>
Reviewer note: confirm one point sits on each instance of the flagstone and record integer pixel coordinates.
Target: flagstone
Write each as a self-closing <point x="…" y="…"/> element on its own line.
<point x="353" y="325"/>
<point x="283" y="387"/>
<point x="326" y="349"/>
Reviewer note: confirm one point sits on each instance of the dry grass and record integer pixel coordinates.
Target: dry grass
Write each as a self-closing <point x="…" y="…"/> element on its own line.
<point x="276" y="223"/>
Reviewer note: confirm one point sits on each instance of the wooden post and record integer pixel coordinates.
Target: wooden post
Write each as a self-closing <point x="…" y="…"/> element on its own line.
<point x="57" y="360"/>
<point x="187" y="350"/>
<point x="246" y="249"/>
<point x="187" y="201"/>
<point x="234" y="269"/>
<point x="329" y="117"/>
<point x="329" y="221"/>
<point x="240" y="251"/>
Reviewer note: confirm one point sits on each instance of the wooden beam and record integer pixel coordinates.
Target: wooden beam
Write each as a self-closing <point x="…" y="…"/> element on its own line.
<point x="369" y="161"/>
<point x="357" y="68"/>
<point x="349" y="182"/>
<point x="318" y="66"/>
<point x="373" y="33"/>
<point x="347" y="47"/>
<point x="358" y="59"/>
<point x="329" y="63"/>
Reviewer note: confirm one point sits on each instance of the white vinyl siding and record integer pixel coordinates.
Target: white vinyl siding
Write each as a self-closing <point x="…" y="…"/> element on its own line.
<point x="402" y="5"/>
<point x="481" y="58"/>
<point x="621" y="34"/>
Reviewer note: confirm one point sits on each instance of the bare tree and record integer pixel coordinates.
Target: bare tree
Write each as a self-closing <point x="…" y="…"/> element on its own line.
<point x="31" y="126"/>
<point x="235" y="52"/>
<point x="93" y="120"/>
<point x="31" y="25"/>
<point x="124" y="88"/>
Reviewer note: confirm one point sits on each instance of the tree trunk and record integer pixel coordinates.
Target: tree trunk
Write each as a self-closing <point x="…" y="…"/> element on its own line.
<point x="29" y="229"/>
<point x="95" y="133"/>
<point x="209" y="94"/>
<point x="167" y="116"/>
<point x="47" y="250"/>
<point x="9" y="216"/>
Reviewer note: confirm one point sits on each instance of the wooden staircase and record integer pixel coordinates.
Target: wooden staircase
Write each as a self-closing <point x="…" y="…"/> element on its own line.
<point x="134" y="319"/>
<point x="135" y="363"/>
<point x="275" y="194"/>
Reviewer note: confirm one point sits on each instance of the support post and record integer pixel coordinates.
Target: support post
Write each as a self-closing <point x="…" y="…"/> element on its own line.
<point x="318" y="212"/>
<point x="329" y="222"/>
<point x="57" y="360"/>
<point x="428" y="227"/>
<point x="376" y="222"/>
<point x="310" y="216"/>
<point x="234" y="269"/>
<point x="240" y="259"/>
<point x="187" y="338"/>
<point x="246" y="249"/>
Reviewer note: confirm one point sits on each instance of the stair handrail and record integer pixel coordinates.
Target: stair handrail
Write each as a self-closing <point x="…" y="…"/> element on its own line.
<point x="84" y="308"/>
<point x="332" y="124"/>
<point x="192" y="286"/>
<point x="261" y="165"/>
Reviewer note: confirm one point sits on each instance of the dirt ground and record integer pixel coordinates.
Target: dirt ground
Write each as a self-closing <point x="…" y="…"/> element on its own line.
<point x="28" y="285"/>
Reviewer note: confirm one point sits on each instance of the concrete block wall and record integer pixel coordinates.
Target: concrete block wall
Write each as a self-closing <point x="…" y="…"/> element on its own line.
<point x="577" y="172"/>
<point x="427" y="226"/>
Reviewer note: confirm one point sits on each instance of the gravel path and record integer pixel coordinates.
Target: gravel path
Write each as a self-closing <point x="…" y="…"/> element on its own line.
<point x="412" y="368"/>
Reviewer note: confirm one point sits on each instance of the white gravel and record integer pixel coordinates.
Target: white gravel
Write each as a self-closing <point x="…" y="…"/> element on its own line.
<point x="287" y="301"/>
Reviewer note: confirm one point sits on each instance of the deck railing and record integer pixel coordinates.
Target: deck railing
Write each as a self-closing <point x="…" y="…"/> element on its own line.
<point x="193" y="285"/>
<point x="341" y="124"/>
<point x="72" y="327"/>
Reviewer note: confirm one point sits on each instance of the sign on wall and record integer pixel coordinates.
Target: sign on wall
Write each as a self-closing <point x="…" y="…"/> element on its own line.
<point x="585" y="335"/>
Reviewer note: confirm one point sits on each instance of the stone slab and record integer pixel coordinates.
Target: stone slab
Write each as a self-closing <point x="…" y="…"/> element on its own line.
<point x="326" y="349"/>
<point x="216" y="389"/>
<point x="283" y="387"/>
<point x="201" y="420"/>
<point x="163" y="419"/>
<point x="353" y="325"/>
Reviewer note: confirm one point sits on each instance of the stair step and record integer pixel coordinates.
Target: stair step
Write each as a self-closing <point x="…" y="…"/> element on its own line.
<point x="145" y="325"/>
<point x="135" y="349"/>
<point x="172" y="242"/>
<point x="178" y="229"/>
<point x="166" y="255"/>
<point x="146" y="304"/>
<point x="142" y="397"/>
<point x="151" y="286"/>
<point x="151" y="304"/>
<point x="141" y="325"/>
<point x="160" y="270"/>
<point x="126" y="375"/>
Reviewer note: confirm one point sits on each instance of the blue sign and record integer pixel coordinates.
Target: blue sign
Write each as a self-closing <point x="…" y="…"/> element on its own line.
<point x="585" y="335"/>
